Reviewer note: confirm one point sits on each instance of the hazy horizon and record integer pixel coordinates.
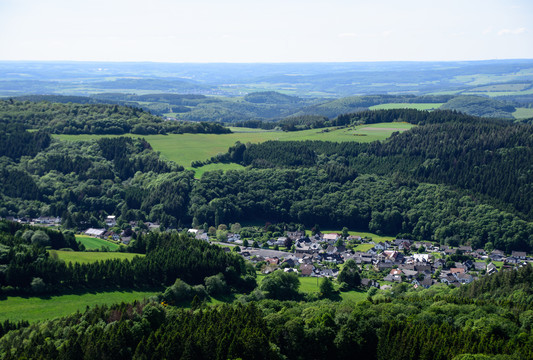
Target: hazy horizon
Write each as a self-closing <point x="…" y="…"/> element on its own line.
<point x="239" y="31"/>
<point x="266" y="62"/>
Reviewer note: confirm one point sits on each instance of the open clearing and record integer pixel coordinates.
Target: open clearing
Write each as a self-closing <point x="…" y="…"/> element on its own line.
<point x="523" y="113"/>
<point x="16" y="308"/>
<point x="92" y="243"/>
<point x="417" y="106"/>
<point x="186" y="148"/>
<point x="90" y="257"/>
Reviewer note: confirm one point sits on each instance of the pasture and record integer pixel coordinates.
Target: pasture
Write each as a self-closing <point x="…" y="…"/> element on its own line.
<point x="92" y="243"/>
<point x="523" y="113"/>
<point x="186" y="148"/>
<point x="17" y="308"/>
<point x="417" y="106"/>
<point x="90" y="257"/>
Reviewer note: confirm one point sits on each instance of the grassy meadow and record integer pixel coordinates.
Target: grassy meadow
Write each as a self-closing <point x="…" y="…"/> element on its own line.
<point x="90" y="257"/>
<point x="92" y="243"/>
<point x="186" y="148"/>
<point x="523" y="113"/>
<point x="17" y="308"/>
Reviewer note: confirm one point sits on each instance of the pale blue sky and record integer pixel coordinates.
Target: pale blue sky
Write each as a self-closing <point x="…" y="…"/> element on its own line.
<point x="265" y="31"/>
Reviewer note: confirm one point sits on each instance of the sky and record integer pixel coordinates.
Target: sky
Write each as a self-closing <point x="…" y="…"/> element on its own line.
<point x="265" y="31"/>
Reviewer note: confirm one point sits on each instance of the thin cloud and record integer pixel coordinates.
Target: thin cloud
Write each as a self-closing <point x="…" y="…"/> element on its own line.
<point x="511" y="31"/>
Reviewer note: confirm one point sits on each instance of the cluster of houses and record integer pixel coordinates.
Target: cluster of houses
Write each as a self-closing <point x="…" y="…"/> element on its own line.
<point x="40" y="221"/>
<point x="401" y="260"/>
<point x="123" y="236"/>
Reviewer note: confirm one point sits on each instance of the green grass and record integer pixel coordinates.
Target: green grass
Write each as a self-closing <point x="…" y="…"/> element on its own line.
<point x="417" y="106"/>
<point x="375" y="237"/>
<point x="186" y="148"/>
<point x="309" y="285"/>
<point x="16" y="308"/>
<point x="90" y="257"/>
<point x="498" y="264"/>
<point x="523" y="113"/>
<point x="224" y="167"/>
<point x="354" y="296"/>
<point x="363" y="247"/>
<point x="92" y="243"/>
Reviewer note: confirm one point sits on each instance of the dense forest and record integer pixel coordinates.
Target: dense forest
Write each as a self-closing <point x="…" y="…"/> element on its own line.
<point x="437" y="324"/>
<point x="489" y="157"/>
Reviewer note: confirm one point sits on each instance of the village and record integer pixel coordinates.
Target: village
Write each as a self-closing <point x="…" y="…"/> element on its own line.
<point x="420" y="263"/>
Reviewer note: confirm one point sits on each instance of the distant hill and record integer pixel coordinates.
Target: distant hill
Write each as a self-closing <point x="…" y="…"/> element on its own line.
<point x="271" y="97"/>
<point x="480" y="106"/>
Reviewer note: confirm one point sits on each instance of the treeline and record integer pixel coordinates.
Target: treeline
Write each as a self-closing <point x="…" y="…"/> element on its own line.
<point x="74" y="118"/>
<point x="411" y="116"/>
<point x="28" y="268"/>
<point x="438" y="323"/>
<point x="362" y="116"/>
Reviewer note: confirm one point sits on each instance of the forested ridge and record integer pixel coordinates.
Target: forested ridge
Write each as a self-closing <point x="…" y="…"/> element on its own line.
<point x="74" y="118"/>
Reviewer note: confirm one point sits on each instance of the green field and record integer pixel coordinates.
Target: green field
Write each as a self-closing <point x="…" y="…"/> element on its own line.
<point x="375" y="238"/>
<point x="523" y="113"/>
<point x="363" y="247"/>
<point x="90" y="257"/>
<point x="186" y="148"/>
<point x="16" y="308"/>
<point x="417" y="106"/>
<point x="92" y="243"/>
